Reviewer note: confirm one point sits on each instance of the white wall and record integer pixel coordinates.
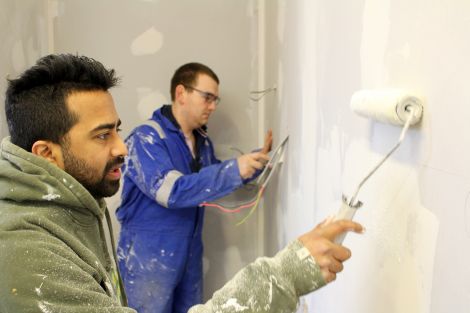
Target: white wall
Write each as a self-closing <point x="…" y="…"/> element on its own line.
<point x="413" y="256"/>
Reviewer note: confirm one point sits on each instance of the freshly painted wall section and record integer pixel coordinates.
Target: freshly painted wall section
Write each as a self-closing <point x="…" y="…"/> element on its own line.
<point x="412" y="257"/>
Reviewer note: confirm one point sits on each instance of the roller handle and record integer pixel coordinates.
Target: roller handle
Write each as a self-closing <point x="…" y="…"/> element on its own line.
<point x="346" y="212"/>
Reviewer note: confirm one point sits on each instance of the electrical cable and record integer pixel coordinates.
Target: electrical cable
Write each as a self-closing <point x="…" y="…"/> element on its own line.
<point x="261" y="93"/>
<point x="252" y="192"/>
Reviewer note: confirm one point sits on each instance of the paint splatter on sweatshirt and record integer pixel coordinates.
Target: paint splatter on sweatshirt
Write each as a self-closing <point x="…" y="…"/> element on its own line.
<point x="54" y="257"/>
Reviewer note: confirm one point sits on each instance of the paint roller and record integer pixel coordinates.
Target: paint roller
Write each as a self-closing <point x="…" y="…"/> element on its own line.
<point x="394" y="106"/>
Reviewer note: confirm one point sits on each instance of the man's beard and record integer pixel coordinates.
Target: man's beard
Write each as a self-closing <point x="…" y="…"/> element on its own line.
<point x="94" y="182"/>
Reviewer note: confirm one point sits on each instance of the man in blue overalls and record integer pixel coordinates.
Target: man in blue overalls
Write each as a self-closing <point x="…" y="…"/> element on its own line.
<point x="171" y="169"/>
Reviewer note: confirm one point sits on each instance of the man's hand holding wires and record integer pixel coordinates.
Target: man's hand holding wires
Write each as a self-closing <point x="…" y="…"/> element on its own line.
<point x="250" y="162"/>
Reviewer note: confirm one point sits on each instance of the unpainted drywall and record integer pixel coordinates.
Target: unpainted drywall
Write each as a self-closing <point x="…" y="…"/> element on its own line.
<point x="145" y="41"/>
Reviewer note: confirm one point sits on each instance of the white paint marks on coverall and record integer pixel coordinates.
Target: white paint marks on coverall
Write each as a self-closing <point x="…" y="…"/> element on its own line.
<point x="50" y="194"/>
<point x="38" y="289"/>
<point x="232" y="302"/>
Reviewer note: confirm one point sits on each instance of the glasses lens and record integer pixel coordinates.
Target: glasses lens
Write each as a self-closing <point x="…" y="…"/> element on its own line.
<point x="211" y="98"/>
<point x="208" y="97"/>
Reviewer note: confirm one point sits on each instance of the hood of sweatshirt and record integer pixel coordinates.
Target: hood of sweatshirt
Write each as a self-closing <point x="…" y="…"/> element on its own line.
<point x="27" y="177"/>
<point x="46" y="211"/>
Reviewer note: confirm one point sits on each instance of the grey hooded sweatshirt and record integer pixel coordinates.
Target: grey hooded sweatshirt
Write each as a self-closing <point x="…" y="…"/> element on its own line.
<point x="54" y="256"/>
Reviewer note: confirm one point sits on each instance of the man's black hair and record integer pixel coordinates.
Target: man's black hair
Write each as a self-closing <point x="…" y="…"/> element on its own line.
<point x="36" y="101"/>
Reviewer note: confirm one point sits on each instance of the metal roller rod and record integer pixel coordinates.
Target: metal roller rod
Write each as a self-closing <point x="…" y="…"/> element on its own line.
<point x="402" y="136"/>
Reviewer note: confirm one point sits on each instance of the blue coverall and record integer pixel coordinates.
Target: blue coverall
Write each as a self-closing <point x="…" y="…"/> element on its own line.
<point x="160" y="246"/>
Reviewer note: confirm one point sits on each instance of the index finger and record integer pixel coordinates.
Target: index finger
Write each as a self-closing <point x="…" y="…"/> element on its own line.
<point x="260" y="156"/>
<point x="268" y="142"/>
<point x="334" y="229"/>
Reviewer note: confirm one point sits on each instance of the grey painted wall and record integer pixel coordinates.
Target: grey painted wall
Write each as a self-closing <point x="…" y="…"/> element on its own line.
<point x="145" y="41"/>
<point x="23" y="37"/>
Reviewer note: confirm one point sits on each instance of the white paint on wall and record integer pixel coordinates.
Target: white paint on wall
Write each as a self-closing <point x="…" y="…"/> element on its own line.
<point x="416" y="206"/>
<point x="394" y="259"/>
<point x="18" y="59"/>
<point x="23" y="40"/>
<point x="281" y="21"/>
<point x="376" y="24"/>
<point x="24" y="49"/>
<point x="52" y="12"/>
<point x="32" y="52"/>
<point x="333" y="158"/>
<point x="149" y="42"/>
<point x="149" y="101"/>
<point x="280" y="89"/>
<point x="232" y="254"/>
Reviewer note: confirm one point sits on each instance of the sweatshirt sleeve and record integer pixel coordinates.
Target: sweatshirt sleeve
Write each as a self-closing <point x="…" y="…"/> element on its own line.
<point x="268" y="285"/>
<point x="151" y="167"/>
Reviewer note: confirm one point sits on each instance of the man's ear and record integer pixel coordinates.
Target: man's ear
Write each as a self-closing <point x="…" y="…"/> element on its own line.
<point x="180" y="94"/>
<point x="49" y="151"/>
